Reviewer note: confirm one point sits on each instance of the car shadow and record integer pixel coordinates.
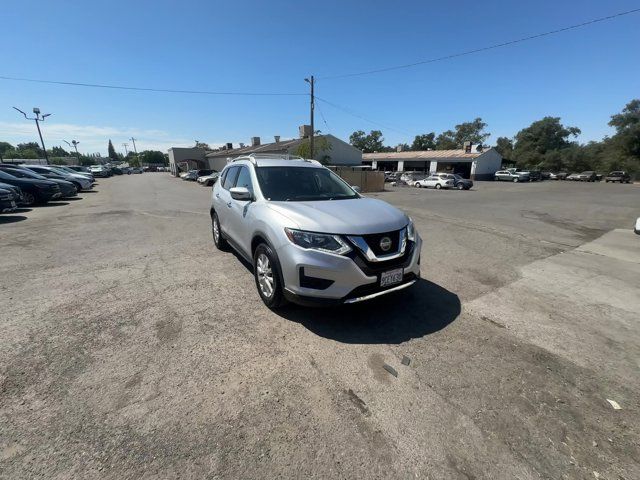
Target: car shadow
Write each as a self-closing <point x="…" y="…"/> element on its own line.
<point x="23" y="210"/>
<point x="89" y="191"/>
<point x="52" y="204"/>
<point x="420" y="310"/>
<point x="11" y="218"/>
<point x="72" y="199"/>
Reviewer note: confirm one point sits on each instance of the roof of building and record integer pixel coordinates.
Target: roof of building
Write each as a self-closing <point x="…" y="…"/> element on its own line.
<point x="424" y="155"/>
<point x="274" y="147"/>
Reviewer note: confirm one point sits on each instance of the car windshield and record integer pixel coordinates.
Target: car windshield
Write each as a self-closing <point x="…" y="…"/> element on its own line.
<point x="302" y="184"/>
<point x="6" y="176"/>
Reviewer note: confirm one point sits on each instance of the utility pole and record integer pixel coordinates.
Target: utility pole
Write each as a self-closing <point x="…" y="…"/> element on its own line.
<point x="74" y="144"/>
<point x="311" y="82"/>
<point x="134" y="145"/>
<point x="38" y="118"/>
<point x="126" y="152"/>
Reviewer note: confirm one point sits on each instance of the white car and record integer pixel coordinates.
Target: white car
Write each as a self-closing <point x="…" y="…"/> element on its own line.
<point x="208" y="180"/>
<point x="436" y="180"/>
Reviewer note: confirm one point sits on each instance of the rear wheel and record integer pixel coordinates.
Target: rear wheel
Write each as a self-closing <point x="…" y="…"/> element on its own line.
<point x="417" y="185"/>
<point x="218" y="239"/>
<point x="266" y="270"/>
<point x="438" y="186"/>
<point x="460" y="186"/>
<point x="515" y="180"/>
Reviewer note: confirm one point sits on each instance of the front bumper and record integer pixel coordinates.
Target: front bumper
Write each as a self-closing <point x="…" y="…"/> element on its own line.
<point x="342" y="279"/>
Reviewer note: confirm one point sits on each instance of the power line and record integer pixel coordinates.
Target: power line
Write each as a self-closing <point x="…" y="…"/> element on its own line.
<point x="483" y="49"/>
<point x="354" y="114"/>
<point x="144" y="89"/>
<point x="324" y="120"/>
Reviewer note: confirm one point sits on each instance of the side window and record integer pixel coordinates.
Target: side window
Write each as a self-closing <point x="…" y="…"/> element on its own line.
<point x="230" y="178"/>
<point x="244" y="179"/>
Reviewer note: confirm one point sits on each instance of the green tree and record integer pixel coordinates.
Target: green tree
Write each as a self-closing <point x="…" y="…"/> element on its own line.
<point x="540" y="139"/>
<point x="373" y="142"/>
<point x="321" y="146"/>
<point x="58" y="152"/>
<point x="504" y="146"/>
<point x="112" y="151"/>
<point x="627" y="125"/>
<point x="5" y="148"/>
<point x="446" y="141"/>
<point x="473" y="132"/>
<point x="152" y="157"/>
<point x="426" y="141"/>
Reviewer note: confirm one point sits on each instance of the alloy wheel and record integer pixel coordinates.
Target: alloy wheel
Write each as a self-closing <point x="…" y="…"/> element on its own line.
<point x="265" y="275"/>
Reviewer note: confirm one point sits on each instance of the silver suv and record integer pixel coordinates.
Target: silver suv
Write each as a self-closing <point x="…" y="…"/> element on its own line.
<point x="312" y="239"/>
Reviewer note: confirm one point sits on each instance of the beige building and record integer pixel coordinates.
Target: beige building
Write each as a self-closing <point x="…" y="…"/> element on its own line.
<point x="474" y="161"/>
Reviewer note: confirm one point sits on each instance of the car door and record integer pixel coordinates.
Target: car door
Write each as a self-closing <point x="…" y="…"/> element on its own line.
<point x="431" y="181"/>
<point x="222" y="197"/>
<point x="240" y="212"/>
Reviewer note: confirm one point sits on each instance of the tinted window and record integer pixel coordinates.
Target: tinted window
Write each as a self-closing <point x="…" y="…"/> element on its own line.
<point x="230" y="178"/>
<point x="244" y="179"/>
<point x="21" y="173"/>
<point x="302" y="183"/>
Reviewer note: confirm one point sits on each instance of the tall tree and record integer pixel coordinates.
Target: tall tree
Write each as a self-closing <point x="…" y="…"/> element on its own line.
<point x="5" y="148"/>
<point x="627" y="125"/>
<point x="541" y="138"/>
<point x="426" y="141"/>
<point x="112" y="151"/>
<point x="446" y="141"/>
<point x="58" y="152"/>
<point x="473" y="132"/>
<point x="504" y="146"/>
<point x="373" y="142"/>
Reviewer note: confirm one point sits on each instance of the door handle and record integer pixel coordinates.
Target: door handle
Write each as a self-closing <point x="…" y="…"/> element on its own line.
<point x="229" y="204"/>
<point x="217" y="195"/>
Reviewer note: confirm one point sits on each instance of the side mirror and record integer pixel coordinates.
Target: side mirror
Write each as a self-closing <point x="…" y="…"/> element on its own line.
<point x="356" y="188"/>
<point x="240" y="193"/>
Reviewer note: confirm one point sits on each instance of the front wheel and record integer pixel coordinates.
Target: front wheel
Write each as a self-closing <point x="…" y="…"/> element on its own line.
<point x="29" y="199"/>
<point x="438" y="186"/>
<point x="266" y="270"/>
<point x="460" y="186"/>
<point x="515" y="180"/>
<point x="417" y="185"/>
<point x="218" y="239"/>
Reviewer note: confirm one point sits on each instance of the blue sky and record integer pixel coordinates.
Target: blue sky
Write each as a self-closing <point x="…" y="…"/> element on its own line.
<point x="583" y="76"/>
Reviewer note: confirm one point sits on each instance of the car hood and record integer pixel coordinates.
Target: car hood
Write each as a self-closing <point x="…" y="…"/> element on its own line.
<point x="358" y="216"/>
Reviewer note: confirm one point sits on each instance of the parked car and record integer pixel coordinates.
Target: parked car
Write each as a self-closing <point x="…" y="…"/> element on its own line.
<point x="588" y="176"/>
<point x="534" y="175"/>
<point x="618" y="176"/>
<point x="208" y="180"/>
<point x="71" y="170"/>
<point x="99" y="171"/>
<point x="17" y="193"/>
<point x="82" y="182"/>
<point x="78" y="168"/>
<point x="34" y="191"/>
<point x="511" y="176"/>
<point x="137" y="170"/>
<point x="636" y="228"/>
<point x="461" y="183"/>
<point x="558" y="175"/>
<point x="67" y="189"/>
<point x="546" y="175"/>
<point x="8" y="202"/>
<point x="390" y="176"/>
<point x="437" y="180"/>
<point x="410" y="178"/>
<point x="275" y="212"/>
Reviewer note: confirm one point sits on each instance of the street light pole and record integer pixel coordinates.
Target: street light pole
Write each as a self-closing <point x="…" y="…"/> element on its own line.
<point x="126" y="152"/>
<point x="311" y="82"/>
<point x="134" y="145"/>
<point x="74" y="144"/>
<point x="38" y="118"/>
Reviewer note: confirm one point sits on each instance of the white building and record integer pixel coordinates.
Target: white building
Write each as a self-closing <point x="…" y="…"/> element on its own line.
<point x="473" y="161"/>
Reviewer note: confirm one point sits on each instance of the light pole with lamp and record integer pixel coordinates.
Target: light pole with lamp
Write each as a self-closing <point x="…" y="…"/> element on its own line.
<point x="38" y="118"/>
<point x="74" y="144"/>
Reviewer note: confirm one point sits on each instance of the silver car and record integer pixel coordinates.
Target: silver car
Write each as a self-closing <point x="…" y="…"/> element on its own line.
<point x="80" y="181"/>
<point x="312" y="239"/>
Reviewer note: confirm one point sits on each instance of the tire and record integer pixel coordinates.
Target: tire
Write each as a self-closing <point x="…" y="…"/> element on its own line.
<point x="29" y="199"/>
<point x="218" y="239"/>
<point x="460" y="186"/>
<point x="78" y="186"/>
<point x="417" y="185"/>
<point x="515" y="180"/>
<point x="438" y="186"/>
<point x="266" y="271"/>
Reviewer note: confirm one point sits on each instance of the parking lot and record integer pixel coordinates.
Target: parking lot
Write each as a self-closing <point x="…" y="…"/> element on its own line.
<point x="132" y="348"/>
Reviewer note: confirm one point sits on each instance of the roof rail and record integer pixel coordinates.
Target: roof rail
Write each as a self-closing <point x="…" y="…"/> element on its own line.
<point x="254" y="157"/>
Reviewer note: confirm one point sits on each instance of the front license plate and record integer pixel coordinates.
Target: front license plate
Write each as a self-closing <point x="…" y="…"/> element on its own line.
<point x="13" y="204"/>
<point x="391" y="277"/>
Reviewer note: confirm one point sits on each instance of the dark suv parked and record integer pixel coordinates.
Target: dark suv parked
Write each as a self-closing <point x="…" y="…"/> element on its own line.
<point x="618" y="176"/>
<point x="7" y="201"/>
<point x="33" y="190"/>
<point x="67" y="189"/>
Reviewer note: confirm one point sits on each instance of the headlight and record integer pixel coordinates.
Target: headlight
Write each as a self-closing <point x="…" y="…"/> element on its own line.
<point x="411" y="231"/>
<point x="318" y="241"/>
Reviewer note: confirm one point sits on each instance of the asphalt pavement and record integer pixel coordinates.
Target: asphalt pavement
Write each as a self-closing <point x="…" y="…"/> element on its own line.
<point x="131" y="348"/>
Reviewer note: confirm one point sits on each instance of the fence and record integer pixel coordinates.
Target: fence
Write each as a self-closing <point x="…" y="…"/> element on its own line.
<point x="367" y="180"/>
